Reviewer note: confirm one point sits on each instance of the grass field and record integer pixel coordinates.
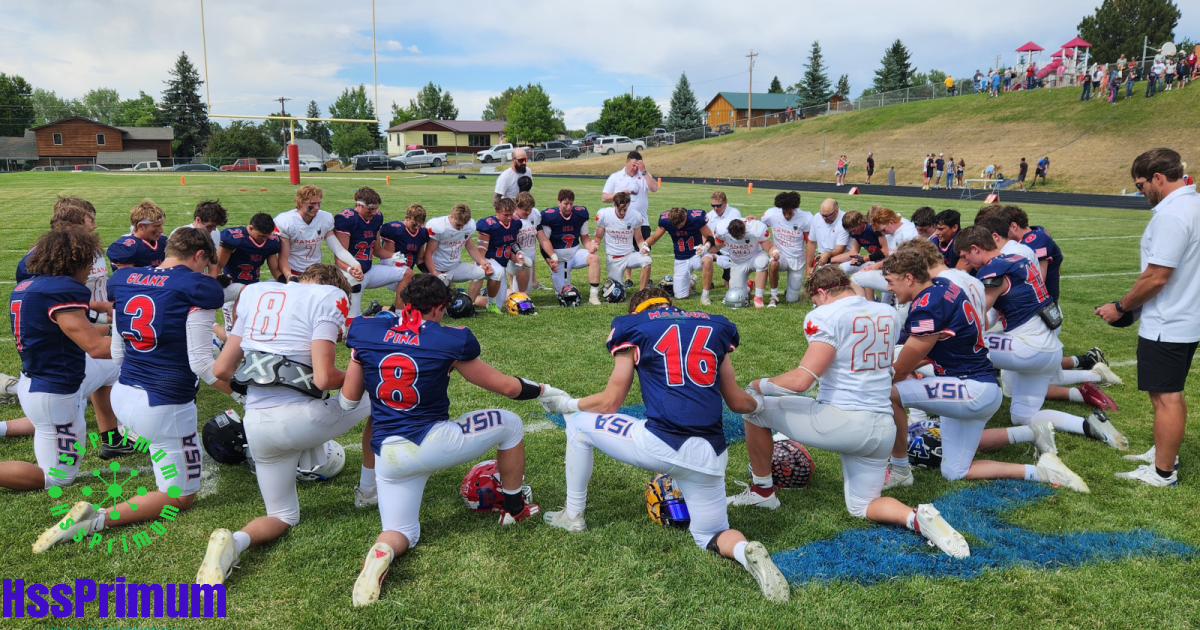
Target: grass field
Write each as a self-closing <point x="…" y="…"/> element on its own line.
<point x="625" y="571"/>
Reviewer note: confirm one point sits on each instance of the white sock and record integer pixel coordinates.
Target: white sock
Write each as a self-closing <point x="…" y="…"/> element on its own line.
<point x="900" y="462"/>
<point x="242" y="541"/>
<point x="3" y="429"/>
<point x="774" y="293"/>
<point x="704" y="293"/>
<point x="739" y="552"/>
<point x="366" y="478"/>
<point x="911" y="521"/>
<point x="1074" y="395"/>
<point x="1017" y="435"/>
<point x="758" y="292"/>
<point x="1074" y="377"/>
<point x="1062" y="421"/>
<point x="1074" y="362"/>
<point x="763" y="482"/>
<point x="1031" y="473"/>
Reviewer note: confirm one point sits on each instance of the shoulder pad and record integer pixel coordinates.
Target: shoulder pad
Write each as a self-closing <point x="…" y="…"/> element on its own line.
<point x="992" y="281"/>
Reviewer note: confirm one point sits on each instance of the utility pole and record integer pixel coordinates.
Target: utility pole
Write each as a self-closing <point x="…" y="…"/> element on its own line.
<point x="750" y="94"/>
<point x="282" y="107"/>
<point x="997" y="63"/>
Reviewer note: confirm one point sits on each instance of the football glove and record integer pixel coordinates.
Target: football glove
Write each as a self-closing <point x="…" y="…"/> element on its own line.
<point x="702" y="249"/>
<point x="444" y="278"/>
<point x="555" y="400"/>
<point x="645" y="248"/>
<point x="758" y="400"/>
<point x="224" y="281"/>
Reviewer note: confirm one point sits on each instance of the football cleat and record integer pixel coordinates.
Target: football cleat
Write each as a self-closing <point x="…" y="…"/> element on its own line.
<point x="594" y="300"/>
<point x="512" y="519"/>
<point x="1096" y="355"/>
<point x="219" y="559"/>
<point x="1147" y="475"/>
<point x="1098" y="424"/>
<point x="749" y="497"/>
<point x="773" y="302"/>
<point x="1096" y="398"/>
<point x="368" y="498"/>
<point x="758" y="562"/>
<point x="119" y="447"/>
<point x="1051" y="470"/>
<point x="8" y="389"/>
<point x="629" y="284"/>
<point x="373" y="309"/>
<point x="1043" y="438"/>
<point x="492" y="308"/>
<point x="896" y="476"/>
<point x="939" y="533"/>
<point x="559" y="519"/>
<point x="705" y="300"/>
<point x="1107" y="376"/>
<point x="758" y="301"/>
<point x="375" y="569"/>
<point x="1148" y="457"/>
<point x="80" y="517"/>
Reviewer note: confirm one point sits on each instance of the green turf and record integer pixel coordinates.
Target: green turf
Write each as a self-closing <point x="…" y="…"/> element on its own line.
<point x="624" y="571"/>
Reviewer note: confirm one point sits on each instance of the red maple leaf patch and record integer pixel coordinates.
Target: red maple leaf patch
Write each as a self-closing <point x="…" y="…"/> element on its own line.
<point x="343" y="305"/>
<point x="810" y="328"/>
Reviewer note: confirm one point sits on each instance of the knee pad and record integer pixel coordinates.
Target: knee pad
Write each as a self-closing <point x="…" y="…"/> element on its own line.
<point x="711" y="544"/>
<point x="67" y="479"/>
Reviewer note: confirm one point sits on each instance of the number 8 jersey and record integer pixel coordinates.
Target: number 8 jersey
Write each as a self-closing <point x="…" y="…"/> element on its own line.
<point x="864" y="334"/>
<point x="678" y="354"/>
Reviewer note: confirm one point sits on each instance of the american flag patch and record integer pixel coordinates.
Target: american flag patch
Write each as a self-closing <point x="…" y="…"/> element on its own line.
<point x="1040" y="252"/>
<point x="922" y="326"/>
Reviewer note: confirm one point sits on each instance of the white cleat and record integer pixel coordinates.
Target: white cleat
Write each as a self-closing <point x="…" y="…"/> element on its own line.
<point x="8" y="389"/>
<point x="758" y="562"/>
<point x="1051" y="470"/>
<point x="1147" y="475"/>
<point x="939" y="533"/>
<point x="366" y="498"/>
<point x="897" y="476"/>
<point x="1099" y="424"/>
<point x="219" y="559"/>
<point x="705" y="300"/>
<point x="1107" y="376"/>
<point x="80" y="517"/>
<point x="1043" y="438"/>
<point x="375" y="569"/>
<point x="1148" y="457"/>
<point x="594" y="300"/>
<point x="559" y="519"/>
<point x="749" y="497"/>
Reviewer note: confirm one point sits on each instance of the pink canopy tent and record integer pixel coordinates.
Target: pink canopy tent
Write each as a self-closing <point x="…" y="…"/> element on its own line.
<point x="1029" y="48"/>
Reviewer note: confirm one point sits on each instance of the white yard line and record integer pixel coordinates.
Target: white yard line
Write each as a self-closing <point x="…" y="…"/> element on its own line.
<point x="1097" y="238"/>
<point x="1134" y="362"/>
<point x="1103" y="275"/>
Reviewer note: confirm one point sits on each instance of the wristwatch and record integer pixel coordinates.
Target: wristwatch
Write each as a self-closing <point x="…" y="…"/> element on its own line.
<point x="1117" y="305"/>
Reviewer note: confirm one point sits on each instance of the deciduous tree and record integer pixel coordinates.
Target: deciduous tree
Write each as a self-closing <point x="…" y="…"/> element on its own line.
<point x="629" y="116"/>
<point x="349" y="139"/>
<point x="531" y="118"/>
<point x="16" y="105"/>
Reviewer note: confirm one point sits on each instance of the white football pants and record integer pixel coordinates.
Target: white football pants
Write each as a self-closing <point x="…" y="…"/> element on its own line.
<point x="965" y="407"/>
<point x="568" y="259"/>
<point x="1032" y="371"/>
<point x="170" y="428"/>
<point x="58" y="420"/>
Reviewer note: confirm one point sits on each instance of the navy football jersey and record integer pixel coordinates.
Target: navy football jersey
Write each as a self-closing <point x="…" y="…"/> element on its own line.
<point x="405" y="242"/>
<point x="678" y="354"/>
<point x="686" y="238"/>
<point x="565" y="232"/>
<point x="247" y="256"/>
<point x="406" y="374"/>
<point x="868" y="240"/>
<point x="1026" y="294"/>
<point x="944" y="308"/>
<point x="502" y="241"/>
<point x="150" y="308"/>
<point x="949" y="255"/>
<point x="52" y="361"/>
<point x="1038" y="239"/>
<point x="131" y="250"/>
<point x="22" y="271"/>
<point x="362" y="234"/>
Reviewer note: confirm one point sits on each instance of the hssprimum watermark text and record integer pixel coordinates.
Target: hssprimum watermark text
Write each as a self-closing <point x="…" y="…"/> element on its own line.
<point x="121" y="599"/>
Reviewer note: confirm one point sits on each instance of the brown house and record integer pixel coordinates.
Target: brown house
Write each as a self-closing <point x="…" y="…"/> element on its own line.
<point x="79" y="140"/>
<point x="730" y="108"/>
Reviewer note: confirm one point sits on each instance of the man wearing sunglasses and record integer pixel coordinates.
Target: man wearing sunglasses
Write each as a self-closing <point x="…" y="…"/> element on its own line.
<point x="1168" y="299"/>
<point x="514" y="181"/>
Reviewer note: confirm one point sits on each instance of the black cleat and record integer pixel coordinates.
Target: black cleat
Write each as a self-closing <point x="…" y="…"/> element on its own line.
<point x="1094" y="356"/>
<point x="373" y="309"/>
<point x="629" y="284"/>
<point x="120" y="445"/>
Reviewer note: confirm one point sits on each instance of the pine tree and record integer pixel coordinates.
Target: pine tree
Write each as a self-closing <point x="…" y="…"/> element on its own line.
<point x="433" y="103"/>
<point x="183" y="109"/>
<point x="843" y="86"/>
<point x="776" y="87"/>
<point x="685" y="110"/>
<point x="314" y="130"/>
<point x="1117" y="27"/>
<point x="896" y="71"/>
<point x="814" y="88"/>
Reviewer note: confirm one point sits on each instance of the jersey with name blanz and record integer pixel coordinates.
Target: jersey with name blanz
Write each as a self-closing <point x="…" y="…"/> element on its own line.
<point x="678" y="354"/>
<point x="362" y="233"/>
<point x="685" y="238"/>
<point x="1026" y="293"/>
<point x="131" y="250"/>
<point x="246" y="255"/>
<point x="949" y="254"/>
<point x="53" y="363"/>
<point x="502" y="239"/>
<point x="405" y="242"/>
<point x="406" y="374"/>
<point x="864" y="335"/>
<point x="868" y="239"/>
<point x="150" y="309"/>
<point x="1044" y="247"/>
<point x="943" y="309"/>
<point x="565" y="232"/>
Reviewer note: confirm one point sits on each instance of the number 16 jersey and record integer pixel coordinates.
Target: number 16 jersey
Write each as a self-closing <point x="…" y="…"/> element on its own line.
<point x="864" y="334"/>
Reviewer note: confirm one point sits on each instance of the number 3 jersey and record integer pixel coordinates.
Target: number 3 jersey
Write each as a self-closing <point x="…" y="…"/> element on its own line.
<point x="406" y="373"/>
<point x="863" y="333"/>
<point x="677" y="354"/>
<point x="150" y="308"/>
<point x="246" y="255"/>
<point x="943" y="309"/>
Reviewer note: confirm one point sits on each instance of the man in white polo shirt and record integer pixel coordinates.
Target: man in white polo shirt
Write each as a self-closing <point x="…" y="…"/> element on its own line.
<point x="1167" y="297"/>
<point x="515" y="180"/>
<point x="634" y="180"/>
<point x="826" y="236"/>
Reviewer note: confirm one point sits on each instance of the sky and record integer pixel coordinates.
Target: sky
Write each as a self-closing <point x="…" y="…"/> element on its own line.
<point x="581" y="53"/>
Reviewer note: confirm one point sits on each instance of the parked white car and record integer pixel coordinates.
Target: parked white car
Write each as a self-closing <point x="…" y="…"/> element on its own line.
<point x="148" y="166"/>
<point x="497" y="153"/>
<point x="608" y="145"/>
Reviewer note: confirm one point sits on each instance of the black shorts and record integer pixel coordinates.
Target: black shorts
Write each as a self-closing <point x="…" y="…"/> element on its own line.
<point x="646" y="232"/>
<point x="1162" y="365"/>
<point x="870" y="172"/>
<point x="1021" y="177"/>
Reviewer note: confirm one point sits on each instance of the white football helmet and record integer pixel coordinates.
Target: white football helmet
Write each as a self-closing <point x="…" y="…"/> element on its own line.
<point x="737" y="297"/>
<point x="321" y="463"/>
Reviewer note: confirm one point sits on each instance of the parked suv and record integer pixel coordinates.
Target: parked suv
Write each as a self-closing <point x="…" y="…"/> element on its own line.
<point x="371" y="162"/>
<point x="609" y="145"/>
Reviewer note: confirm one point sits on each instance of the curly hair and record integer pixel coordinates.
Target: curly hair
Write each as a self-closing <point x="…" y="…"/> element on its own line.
<point x="649" y="293"/>
<point x="321" y="273"/>
<point x="367" y="196"/>
<point x="211" y="211"/>
<point x="307" y="193"/>
<point x="63" y="252"/>
<point x="425" y="293"/>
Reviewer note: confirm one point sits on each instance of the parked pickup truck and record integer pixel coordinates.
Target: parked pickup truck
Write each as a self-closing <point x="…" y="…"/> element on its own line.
<point x="497" y="153"/>
<point x="243" y="164"/>
<point x="282" y="166"/>
<point x="148" y="166"/>
<point x="417" y="158"/>
<point x="554" y="150"/>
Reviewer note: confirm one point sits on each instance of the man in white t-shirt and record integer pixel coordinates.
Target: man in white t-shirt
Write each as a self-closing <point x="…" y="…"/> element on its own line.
<point x="301" y="231"/>
<point x="789" y="230"/>
<point x="1168" y="298"/>
<point x="826" y="235"/>
<point x="634" y="180"/>
<point x="448" y="236"/>
<point x="514" y="180"/>
<point x="746" y="244"/>
<point x="622" y="238"/>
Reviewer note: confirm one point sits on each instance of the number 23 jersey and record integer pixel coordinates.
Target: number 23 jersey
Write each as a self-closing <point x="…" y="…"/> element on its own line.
<point x="677" y="355"/>
<point x="864" y="334"/>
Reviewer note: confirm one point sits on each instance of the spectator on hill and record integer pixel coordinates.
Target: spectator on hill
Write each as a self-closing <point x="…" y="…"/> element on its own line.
<point x="1007" y="80"/>
<point x="1043" y="167"/>
<point x="1114" y="85"/>
<point x="870" y="166"/>
<point x="938" y="170"/>
<point x="1086" y="81"/>
<point x="949" y="85"/>
<point x="1023" y="170"/>
<point x="996" y="84"/>
<point x="840" y="173"/>
<point x="1183" y="74"/>
<point x="926" y="171"/>
<point x="961" y="171"/>
<point x="1192" y="59"/>
<point x="977" y="81"/>
<point x="1029" y="70"/>
<point x="1121" y="62"/>
<point x="891" y="176"/>
<point x="1168" y="74"/>
<point x="1130" y="76"/>
<point x="1059" y="74"/>
<point x="1154" y="78"/>
<point x="950" y="172"/>
<point x="1102" y="72"/>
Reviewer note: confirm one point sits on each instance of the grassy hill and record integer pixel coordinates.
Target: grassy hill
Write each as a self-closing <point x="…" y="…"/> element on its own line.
<point x="1091" y="144"/>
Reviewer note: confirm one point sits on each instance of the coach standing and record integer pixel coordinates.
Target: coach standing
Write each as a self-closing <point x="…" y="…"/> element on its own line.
<point x="514" y="181"/>
<point x="634" y="180"/>
<point x="1168" y="297"/>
